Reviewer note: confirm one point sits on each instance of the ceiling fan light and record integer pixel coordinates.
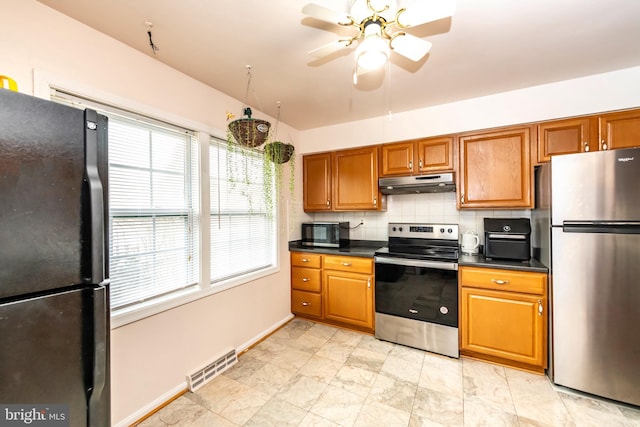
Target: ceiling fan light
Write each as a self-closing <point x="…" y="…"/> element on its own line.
<point x="372" y="53"/>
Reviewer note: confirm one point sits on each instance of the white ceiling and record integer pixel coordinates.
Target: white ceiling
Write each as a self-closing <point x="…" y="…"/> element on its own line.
<point x="488" y="46"/>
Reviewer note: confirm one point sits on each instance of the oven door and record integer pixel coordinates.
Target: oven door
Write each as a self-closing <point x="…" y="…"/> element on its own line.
<point x="417" y="289"/>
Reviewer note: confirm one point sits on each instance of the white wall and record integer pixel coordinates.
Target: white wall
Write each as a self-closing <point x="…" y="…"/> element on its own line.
<point x="149" y="357"/>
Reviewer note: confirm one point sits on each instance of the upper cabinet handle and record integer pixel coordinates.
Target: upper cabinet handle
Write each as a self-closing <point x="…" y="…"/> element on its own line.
<point x="375" y="201"/>
<point x="420" y="164"/>
<point x="586" y="146"/>
<point x="604" y="144"/>
<point x="410" y="164"/>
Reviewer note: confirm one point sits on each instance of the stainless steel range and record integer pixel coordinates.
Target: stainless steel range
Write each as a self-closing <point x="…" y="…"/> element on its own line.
<point x="416" y="287"/>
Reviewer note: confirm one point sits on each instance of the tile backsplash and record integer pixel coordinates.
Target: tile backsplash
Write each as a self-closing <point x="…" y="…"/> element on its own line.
<point x="430" y="208"/>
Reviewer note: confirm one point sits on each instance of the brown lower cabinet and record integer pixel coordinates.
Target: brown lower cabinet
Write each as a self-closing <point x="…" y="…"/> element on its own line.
<point x="333" y="289"/>
<point x="503" y="316"/>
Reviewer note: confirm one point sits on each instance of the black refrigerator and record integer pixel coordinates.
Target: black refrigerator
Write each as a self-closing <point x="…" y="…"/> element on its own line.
<point x="54" y="293"/>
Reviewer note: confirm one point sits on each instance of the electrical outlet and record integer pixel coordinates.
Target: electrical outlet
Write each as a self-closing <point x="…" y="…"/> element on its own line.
<point x="361" y="221"/>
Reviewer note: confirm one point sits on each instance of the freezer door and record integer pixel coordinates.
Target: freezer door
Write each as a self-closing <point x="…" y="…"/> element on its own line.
<point x="54" y="352"/>
<point x="596" y="186"/>
<point x="42" y="164"/>
<point x="595" y="298"/>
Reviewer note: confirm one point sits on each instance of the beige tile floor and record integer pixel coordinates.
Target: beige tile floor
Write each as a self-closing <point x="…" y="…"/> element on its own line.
<point x="309" y="374"/>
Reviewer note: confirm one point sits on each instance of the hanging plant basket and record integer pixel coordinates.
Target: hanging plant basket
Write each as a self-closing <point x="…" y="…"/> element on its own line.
<point x="250" y="132"/>
<point x="279" y="152"/>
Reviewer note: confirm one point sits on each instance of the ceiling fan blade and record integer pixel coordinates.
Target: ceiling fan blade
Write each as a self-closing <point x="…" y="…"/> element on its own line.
<point x="409" y="46"/>
<point x="419" y="12"/>
<point x="325" y="14"/>
<point x="329" y="48"/>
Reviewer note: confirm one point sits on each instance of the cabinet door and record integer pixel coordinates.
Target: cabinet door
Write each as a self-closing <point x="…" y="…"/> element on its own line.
<point x="316" y="169"/>
<point x="435" y="154"/>
<point x="620" y="130"/>
<point x="355" y="178"/>
<point x="397" y="159"/>
<point x="564" y="137"/>
<point x="348" y="298"/>
<point x="495" y="170"/>
<point x="507" y="325"/>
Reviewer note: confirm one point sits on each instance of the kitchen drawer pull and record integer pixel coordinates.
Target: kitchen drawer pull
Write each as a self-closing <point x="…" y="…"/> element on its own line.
<point x="412" y="311"/>
<point x="346" y="264"/>
<point x="305" y="279"/>
<point x="305" y="260"/>
<point x="500" y="282"/>
<point x="306" y="304"/>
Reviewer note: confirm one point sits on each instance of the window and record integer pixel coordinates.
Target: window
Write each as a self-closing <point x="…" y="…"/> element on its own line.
<point x="153" y="205"/>
<point x="242" y="231"/>
<point x="153" y="211"/>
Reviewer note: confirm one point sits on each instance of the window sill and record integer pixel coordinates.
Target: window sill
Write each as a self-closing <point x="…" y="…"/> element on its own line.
<point x="124" y="316"/>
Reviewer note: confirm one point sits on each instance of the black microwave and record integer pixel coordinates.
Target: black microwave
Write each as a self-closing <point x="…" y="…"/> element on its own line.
<point x="325" y="234"/>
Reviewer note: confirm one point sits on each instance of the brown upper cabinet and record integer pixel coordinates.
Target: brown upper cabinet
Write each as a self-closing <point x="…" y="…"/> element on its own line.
<point x="317" y="188"/>
<point x="565" y="137"/>
<point x="417" y="156"/>
<point x="495" y="169"/>
<point x="619" y="130"/>
<point x="590" y="133"/>
<point x="343" y="180"/>
<point x="355" y="179"/>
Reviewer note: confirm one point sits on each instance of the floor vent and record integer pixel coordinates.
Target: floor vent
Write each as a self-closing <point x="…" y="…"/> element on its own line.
<point x="200" y="377"/>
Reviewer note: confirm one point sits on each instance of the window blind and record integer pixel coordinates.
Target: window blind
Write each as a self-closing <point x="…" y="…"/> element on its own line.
<point x="242" y="231"/>
<point x="153" y="205"/>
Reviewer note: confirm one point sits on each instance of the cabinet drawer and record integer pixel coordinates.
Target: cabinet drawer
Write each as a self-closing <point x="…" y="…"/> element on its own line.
<point x="504" y="280"/>
<point x="304" y="259"/>
<point x="306" y="279"/>
<point x="346" y="263"/>
<point x="306" y="303"/>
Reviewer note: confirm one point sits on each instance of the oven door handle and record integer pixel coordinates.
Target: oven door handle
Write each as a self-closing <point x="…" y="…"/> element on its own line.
<point x="437" y="265"/>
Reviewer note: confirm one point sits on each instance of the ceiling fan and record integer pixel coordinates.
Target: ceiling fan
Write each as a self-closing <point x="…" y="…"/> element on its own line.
<point x="381" y="25"/>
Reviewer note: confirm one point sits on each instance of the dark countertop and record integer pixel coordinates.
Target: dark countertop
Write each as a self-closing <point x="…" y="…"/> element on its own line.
<point x="359" y="248"/>
<point x="480" y="261"/>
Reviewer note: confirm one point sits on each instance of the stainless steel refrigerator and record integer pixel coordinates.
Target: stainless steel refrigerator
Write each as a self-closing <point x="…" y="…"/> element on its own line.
<point x="587" y="223"/>
<point x="54" y="302"/>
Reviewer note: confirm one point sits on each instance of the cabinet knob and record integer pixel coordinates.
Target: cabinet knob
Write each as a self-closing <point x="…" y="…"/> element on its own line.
<point x="586" y="146"/>
<point x="500" y="282"/>
<point x="306" y="304"/>
<point x="305" y="279"/>
<point x="604" y="145"/>
<point x="539" y="307"/>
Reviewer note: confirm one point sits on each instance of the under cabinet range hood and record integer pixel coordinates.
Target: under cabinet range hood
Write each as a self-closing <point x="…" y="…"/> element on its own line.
<point x="432" y="183"/>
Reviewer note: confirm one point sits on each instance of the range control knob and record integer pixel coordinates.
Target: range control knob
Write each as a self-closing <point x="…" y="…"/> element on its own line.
<point x="400" y="228"/>
<point x="393" y="228"/>
<point x="450" y="231"/>
<point x="442" y="230"/>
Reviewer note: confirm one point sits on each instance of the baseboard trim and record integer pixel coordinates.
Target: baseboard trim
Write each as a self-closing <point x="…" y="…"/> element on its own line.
<point x="154" y="406"/>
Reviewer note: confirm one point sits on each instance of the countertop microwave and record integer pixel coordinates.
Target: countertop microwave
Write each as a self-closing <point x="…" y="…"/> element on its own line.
<point x="325" y="234"/>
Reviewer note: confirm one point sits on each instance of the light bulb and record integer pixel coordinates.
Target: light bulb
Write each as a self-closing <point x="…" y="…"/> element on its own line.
<point x="373" y="51"/>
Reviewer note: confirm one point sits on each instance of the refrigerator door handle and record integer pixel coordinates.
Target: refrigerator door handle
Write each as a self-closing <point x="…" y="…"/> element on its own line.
<point x="95" y="215"/>
<point x="99" y="393"/>
<point x="613" y="227"/>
